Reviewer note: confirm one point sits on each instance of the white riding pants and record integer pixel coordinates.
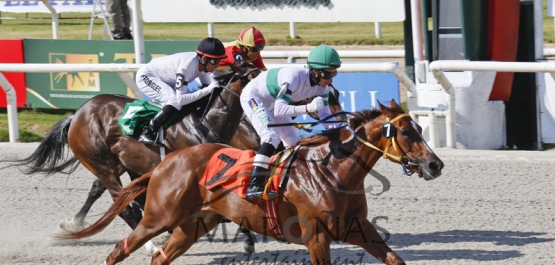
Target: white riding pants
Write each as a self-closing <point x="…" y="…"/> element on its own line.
<point x="156" y="89"/>
<point x="260" y="114"/>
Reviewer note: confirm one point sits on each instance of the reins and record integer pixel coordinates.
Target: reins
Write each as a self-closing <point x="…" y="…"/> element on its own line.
<point x="391" y="141"/>
<point x="306" y="126"/>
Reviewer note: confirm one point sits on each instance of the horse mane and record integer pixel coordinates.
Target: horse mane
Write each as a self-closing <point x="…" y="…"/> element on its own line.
<point x="362" y="116"/>
<point x="357" y="119"/>
<point x="318" y="139"/>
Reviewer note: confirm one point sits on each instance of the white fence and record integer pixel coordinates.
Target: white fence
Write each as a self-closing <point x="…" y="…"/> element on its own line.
<point x="123" y="69"/>
<point x="438" y="68"/>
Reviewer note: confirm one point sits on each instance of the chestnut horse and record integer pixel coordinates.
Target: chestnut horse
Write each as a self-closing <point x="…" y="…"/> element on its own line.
<point x="318" y="194"/>
<point x="106" y="150"/>
<point x="96" y="140"/>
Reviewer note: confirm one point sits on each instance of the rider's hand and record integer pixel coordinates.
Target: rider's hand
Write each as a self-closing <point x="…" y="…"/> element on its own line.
<point x="188" y="98"/>
<point x="316" y="104"/>
<point x="211" y="87"/>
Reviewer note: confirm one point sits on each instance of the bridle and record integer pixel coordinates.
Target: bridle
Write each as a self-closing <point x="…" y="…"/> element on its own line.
<point x="391" y="142"/>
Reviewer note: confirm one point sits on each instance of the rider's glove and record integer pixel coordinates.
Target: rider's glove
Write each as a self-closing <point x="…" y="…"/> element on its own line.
<point x="211" y="87"/>
<point x="316" y="105"/>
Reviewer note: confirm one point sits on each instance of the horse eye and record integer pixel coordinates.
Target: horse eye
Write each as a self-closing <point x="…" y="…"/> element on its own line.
<point x="405" y="132"/>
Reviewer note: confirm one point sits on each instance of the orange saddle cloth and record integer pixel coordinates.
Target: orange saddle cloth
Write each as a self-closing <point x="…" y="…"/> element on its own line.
<point x="230" y="169"/>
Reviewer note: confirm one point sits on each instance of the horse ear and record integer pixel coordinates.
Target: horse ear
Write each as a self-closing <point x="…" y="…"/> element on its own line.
<point x="394" y="104"/>
<point x="386" y="111"/>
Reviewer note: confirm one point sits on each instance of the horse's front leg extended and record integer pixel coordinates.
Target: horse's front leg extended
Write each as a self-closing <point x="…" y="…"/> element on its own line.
<point x="371" y="241"/>
<point x="182" y="238"/>
<point x="319" y="249"/>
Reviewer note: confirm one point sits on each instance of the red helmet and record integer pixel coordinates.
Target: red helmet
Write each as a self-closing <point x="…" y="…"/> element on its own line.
<point x="251" y="38"/>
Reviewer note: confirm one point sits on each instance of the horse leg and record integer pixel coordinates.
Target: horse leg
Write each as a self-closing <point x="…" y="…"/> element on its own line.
<point x="183" y="238"/>
<point x="132" y="216"/>
<point x="371" y="241"/>
<point x="132" y="213"/>
<point x="248" y="237"/>
<point x="141" y="235"/>
<point x="76" y="223"/>
<point x="149" y="227"/>
<point x="319" y="249"/>
<point x="248" y="241"/>
<point x="136" y="207"/>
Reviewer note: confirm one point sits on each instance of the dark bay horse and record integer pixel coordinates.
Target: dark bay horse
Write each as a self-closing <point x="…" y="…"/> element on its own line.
<point x="318" y="195"/>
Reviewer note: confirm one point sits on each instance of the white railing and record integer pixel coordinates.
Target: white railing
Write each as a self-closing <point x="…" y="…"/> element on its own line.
<point x="292" y="55"/>
<point x="438" y="68"/>
<point x="123" y="69"/>
<point x="549" y="52"/>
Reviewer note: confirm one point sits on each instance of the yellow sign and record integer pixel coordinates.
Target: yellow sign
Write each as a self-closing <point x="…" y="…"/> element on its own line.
<point x="74" y="81"/>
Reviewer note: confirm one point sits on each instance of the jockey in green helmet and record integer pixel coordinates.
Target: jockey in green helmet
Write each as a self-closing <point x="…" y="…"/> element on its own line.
<point x="265" y="100"/>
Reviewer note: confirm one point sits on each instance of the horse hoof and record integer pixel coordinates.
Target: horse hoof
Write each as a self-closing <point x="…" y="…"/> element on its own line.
<point x="71" y="225"/>
<point x="249" y="249"/>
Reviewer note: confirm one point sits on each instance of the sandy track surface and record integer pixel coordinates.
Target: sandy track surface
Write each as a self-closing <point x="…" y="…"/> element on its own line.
<point x="489" y="207"/>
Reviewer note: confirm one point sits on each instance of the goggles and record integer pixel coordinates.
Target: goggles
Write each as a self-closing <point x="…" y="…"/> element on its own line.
<point x="212" y="61"/>
<point x="256" y="48"/>
<point x="326" y="75"/>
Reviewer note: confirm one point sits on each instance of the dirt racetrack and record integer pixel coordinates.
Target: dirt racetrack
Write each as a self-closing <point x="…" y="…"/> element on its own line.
<point x="489" y="207"/>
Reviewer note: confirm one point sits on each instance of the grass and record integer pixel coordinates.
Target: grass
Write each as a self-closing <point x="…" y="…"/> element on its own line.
<point x="75" y="26"/>
<point x="33" y="123"/>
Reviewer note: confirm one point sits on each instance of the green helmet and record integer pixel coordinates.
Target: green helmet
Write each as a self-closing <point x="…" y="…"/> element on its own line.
<point x="322" y="57"/>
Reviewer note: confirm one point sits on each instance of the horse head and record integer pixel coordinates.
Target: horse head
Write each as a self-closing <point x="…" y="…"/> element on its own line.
<point x="401" y="141"/>
<point x="224" y="102"/>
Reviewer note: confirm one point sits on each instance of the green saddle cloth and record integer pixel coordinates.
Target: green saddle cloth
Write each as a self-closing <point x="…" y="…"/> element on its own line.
<point x="136" y="115"/>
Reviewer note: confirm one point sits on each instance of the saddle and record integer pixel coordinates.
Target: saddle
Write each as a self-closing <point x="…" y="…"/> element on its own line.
<point x="138" y="113"/>
<point x="230" y="169"/>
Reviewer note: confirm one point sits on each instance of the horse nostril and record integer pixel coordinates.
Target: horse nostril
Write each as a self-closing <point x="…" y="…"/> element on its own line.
<point x="435" y="165"/>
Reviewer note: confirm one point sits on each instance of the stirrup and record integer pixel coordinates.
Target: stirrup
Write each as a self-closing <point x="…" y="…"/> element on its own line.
<point x="256" y="193"/>
<point x="145" y="139"/>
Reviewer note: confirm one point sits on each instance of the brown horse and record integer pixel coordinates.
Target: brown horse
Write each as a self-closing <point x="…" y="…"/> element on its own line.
<point x="318" y="195"/>
<point x="96" y="140"/>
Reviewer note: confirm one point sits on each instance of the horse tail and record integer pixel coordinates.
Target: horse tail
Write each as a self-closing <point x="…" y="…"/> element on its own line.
<point x="52" y="155"/>
<point x="126" y="196"/>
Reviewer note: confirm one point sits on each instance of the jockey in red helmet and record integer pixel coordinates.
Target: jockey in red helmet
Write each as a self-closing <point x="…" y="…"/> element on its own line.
<point x="165" y="79"/>
<point x="245" y="49"/>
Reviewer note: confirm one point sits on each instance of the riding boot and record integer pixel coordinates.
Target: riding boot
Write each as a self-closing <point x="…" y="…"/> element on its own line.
<point x="150" y="131"/>
<point x="257" y="183"/>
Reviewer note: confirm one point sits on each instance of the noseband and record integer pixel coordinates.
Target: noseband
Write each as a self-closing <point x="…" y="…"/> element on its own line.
<point x="391" y="141"/>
